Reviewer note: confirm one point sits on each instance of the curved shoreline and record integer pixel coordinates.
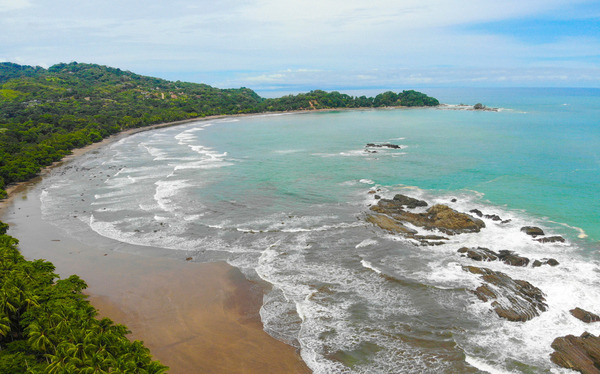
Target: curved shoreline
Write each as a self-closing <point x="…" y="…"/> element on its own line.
<point x="194" y="317"/>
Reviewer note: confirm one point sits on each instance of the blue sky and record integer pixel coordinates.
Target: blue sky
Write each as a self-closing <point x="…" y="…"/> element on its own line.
<point x="296" y="45"/>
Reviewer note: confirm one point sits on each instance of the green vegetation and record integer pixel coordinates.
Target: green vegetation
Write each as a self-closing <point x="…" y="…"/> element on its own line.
<point x="47" y="326"/>
<point x="44" y="114"/>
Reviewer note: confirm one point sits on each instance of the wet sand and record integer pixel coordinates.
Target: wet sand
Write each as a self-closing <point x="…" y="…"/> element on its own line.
<point x="194" y="317"/>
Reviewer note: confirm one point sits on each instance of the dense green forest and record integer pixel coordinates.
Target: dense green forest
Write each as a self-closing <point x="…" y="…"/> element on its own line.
<point x="47" y="325"/>
<point x="46" y="113"/>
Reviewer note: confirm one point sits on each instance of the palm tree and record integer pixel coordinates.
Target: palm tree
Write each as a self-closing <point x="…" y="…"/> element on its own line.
<point x="4" y="325"/>
<point x="38" y="338"/>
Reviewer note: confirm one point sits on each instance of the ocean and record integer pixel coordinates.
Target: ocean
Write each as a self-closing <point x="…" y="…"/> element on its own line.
<point x="284" y="198"/>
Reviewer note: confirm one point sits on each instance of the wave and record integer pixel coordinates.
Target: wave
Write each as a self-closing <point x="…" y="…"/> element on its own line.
<point x="370" y="266"/>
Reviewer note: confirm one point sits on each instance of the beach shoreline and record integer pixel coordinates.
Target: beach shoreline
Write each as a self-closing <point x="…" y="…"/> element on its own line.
<point x="15" y="187"/>
<point x="194" y="317"/>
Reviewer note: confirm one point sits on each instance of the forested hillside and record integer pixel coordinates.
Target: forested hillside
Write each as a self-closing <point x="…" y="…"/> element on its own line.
<point x="45" y="113"/>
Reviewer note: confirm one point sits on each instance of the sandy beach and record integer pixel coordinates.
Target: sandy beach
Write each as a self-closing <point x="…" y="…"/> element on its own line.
<point x="194" y="317"/>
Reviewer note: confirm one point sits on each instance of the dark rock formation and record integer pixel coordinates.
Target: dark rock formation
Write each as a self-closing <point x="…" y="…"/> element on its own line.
<point x="430" y="243"/>
<point x="551" y="239"/>
<point x="476" y="212"/>
<point x="384" y="145"/>
<point x="426" y="240"/>
<point x="479" y="254"/>
<point x="449" y="221"/>
<point x="514" y="300"/>
<point x="440" y="217"/>
<point x="510" y="258"/>
<point x="545" y="261"/>
<point x="584" y="315"/>
<point x="493" y="217"/>
<point x="392" y="216"/>
<point x="577" y="353"/>
<point x="389" y="224"/>
<point x="485" y="254"/>
<point x="409" y="202"/>
<point x="430" y="237"/>
<point x="532" y="230"/>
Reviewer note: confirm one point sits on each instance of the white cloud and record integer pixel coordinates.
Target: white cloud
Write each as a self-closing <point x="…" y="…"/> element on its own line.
<point x="272" y="36"/>
<point x="9" y="5"/>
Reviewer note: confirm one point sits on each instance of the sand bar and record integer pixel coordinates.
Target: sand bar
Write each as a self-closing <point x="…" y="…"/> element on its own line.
<point x="194" y="317"/>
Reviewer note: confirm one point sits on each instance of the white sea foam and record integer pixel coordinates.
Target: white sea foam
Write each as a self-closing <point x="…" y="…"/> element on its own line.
<point x="366" y="243"/>
<point x="582" y="234"/>
<point x="108" y="195"/>
<point x="158" y="154"/>
<point x="205" y="164"/>
<point x="369" y="265"/>
<point x="165" y="190"/>
<point x="483" y="366"/>
<point x="354" y="153"/>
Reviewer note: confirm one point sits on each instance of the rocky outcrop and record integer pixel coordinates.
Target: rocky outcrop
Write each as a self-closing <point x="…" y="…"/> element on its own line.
<point x="532" y="231"/>
<point x="545" y="261"/>
<point x="551" y="239"/>
<point x="511" y="258"/>
<point x="485" y="254"/>
<point x="479" y="254"/>
<point x="438" y="217"/>
<point x="514" y="300"/>
<point x="477" y="212"/>
<point x="389" y="224"/>
<point x="584" y="315"/>
<point x="384" y="145"/>
<point x="408" y="202"/>
<point x="578" y="353"/>
<point x="493" y="217"/>
<point x="393" y="215"/>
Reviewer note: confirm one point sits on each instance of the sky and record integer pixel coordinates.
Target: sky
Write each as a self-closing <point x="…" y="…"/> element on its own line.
<point x="298" y="45"/>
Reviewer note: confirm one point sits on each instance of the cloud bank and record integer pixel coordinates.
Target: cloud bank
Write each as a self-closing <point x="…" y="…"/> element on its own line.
<point x="349" y="43"/>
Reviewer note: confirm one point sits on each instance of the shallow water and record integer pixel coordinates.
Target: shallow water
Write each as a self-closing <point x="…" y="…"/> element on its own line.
<point x="284" y="197"/>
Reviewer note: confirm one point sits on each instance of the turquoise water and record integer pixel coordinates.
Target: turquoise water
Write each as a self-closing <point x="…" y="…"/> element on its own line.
<point x="540" y="155"/>
<point x="284" y="198"/>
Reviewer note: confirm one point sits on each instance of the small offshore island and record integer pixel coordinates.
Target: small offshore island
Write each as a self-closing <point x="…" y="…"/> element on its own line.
<point x="46" y="323"/>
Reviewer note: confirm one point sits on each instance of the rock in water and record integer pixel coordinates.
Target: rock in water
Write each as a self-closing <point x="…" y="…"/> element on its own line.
<point x="510" y="258"/>
<point x="514" y="300"/>
<point x="577" y="353"/>
<point x="450" y="221"/>
<point x="584" y="315"/>
<point x="545" y="261"/>
<point x="389" y="224"/>
<point x="551" y="239"/>
<point x="440" y="217"/>
<point x="409" y="202"/>
<point x="477" y="212"/>
<point x="479" y="254"/>
<point x="532" y="231"/>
